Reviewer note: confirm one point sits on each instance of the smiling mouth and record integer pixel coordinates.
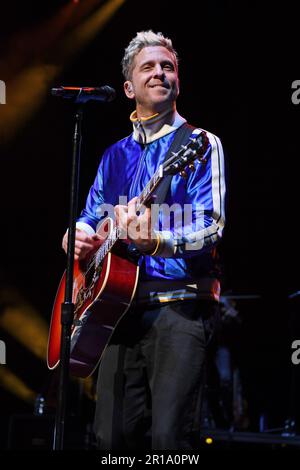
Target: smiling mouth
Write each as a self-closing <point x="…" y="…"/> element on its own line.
<point x="159" y="85"/>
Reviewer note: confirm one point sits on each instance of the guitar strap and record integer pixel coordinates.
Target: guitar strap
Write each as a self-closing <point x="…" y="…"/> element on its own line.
<point x="181" y="137"/>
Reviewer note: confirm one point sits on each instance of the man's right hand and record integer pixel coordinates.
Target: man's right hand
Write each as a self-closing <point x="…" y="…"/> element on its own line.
<point x="84" y="243"/>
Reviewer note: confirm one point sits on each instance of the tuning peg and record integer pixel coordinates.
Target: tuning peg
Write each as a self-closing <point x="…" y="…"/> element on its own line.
<point x="183" y="173"/>
<point x="202" y="160"/>
<point x="192" y="166"/>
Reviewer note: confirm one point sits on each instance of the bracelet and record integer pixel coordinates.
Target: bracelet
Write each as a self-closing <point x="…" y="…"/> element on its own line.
<point x="157" y="245"/>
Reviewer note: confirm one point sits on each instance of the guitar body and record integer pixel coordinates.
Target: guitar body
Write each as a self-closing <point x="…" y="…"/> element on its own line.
<point x="101" y="297"/>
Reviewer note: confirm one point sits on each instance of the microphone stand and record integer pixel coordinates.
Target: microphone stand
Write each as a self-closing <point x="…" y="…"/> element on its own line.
<point x="67" y="307"/>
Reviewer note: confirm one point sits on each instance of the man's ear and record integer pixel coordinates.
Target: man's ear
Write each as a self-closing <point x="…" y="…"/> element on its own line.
<point x="128" y="88"/>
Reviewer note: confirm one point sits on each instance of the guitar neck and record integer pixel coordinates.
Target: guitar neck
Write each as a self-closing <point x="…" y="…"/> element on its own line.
<point x="147" y="194"/>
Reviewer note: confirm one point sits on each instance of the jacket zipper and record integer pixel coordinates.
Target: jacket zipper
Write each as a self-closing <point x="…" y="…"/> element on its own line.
<point x="142" y="158"/>
<point x="139" y="169"/>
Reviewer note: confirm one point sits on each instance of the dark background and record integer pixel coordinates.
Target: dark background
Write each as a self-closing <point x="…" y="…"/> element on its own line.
<point x="237" y="64"/>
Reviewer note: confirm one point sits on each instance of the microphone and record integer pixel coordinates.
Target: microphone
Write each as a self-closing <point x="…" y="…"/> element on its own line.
<point x="83" y="94"/>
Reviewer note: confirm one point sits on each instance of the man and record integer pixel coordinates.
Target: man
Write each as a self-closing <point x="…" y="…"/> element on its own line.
<point x="151" y="375"/>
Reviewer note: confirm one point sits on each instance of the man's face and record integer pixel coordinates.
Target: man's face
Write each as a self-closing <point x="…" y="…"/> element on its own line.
<point x="154" y="83"/>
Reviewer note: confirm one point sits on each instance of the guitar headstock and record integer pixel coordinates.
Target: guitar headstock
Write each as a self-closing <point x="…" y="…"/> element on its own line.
<point x="186" y="156"/>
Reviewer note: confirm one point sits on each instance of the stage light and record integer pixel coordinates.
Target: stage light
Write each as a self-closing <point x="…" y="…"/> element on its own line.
<point x="23" y="322"/>
<point x="16" y="386"/>
<point x="54" y="48"/>
<point x="208" y="441"/>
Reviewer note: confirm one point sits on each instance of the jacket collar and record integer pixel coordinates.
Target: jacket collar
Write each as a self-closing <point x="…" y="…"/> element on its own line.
<point x="146" y="130"/>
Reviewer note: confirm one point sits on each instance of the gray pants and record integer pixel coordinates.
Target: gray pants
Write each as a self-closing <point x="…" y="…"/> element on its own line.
<point x="151" y="377"/>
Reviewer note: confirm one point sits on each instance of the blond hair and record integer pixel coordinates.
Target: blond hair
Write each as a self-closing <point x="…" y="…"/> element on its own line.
<point x="141" y="40"/>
